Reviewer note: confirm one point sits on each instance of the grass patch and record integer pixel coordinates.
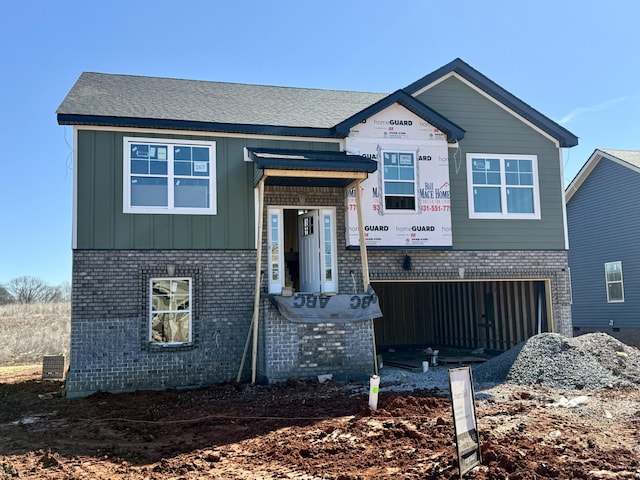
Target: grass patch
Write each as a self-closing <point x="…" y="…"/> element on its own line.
<point x="31" y="331"/>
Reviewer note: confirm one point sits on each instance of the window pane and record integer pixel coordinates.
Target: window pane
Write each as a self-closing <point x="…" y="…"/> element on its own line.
<point x="200" y="154"/>
<point x="486" y="200"/>
<point x="493" y="178"/>
<point x="400" y="203"/>
<point x="398" y="188"/>
<point x="140" y="166"/>
<point x="328" y="256"/>
<point x="615" y="292"/>
<point x="201" y="169"/>
<point x="191" y="193"/>
<point x="182" y="153"/>
<point x="158" y="168"/>
<point x="275" y="249"/>
<point x="391" y="173"/>
<point x="406" y="159"/>
<point x="406" y="173"/>
<point x="390" y="158"/>
<point x="139" y="151"/>
<point x="479" y="178"/>
<point x="149" y="191"/>
<point x="182" y="168"/>
<point x="170" y="328"/>
<point x="520" y="200"/>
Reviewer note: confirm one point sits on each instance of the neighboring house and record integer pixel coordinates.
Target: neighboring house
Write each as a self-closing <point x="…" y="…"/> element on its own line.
<point x="603" y="204"/>
<point x="454" y="185"/>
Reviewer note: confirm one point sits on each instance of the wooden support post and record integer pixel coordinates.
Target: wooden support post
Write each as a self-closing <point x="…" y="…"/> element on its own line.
<point x="364" y="260"/>
<point x="256" y="301"/>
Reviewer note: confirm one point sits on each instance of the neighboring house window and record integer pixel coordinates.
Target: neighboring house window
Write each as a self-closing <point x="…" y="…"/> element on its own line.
<point x="503" y="186"/>
<point x="399" y="180"/>
<point x="170" y="311"/>
<point x="169" y="176"/>
<point x="615" y="285"/>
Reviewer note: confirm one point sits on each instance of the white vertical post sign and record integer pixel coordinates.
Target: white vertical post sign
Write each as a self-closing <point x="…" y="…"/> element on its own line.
<point x="464" y="419"/>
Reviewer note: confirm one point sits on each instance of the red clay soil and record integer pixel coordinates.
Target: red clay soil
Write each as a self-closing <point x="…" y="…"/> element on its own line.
<point x="306" y="430"/>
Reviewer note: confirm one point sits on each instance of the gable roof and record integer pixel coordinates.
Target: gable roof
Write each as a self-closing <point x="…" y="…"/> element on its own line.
<point x="152" y="102"/>
<point x="137" y="101"/>
<point x="488" y="86"/>
<point x="450" y="129"/>
<point x="626" y="158"/>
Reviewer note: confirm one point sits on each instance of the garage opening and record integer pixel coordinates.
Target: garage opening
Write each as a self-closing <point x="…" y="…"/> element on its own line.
<point x="493" y="315"/>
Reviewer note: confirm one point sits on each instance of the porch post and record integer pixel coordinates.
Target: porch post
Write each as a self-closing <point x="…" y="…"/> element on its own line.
<point x="363" y="248"/>
<point x="256" y="300"/>
<point x="364" y="260"/>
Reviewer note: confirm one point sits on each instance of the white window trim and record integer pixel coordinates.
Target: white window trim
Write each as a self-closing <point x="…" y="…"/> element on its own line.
<point x="504" y="215"/>
<point x="607" y="282"/>
<point x="126" y="181"/>
<point x="151" y="312"/>
<point x="276" y="286"/>
<point x="383" y="180"/>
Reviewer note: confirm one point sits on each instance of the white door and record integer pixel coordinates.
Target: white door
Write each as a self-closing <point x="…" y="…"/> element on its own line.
<point x="309" y="249"/>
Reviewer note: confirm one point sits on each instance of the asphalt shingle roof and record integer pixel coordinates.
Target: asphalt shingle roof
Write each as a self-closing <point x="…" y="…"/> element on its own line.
<point x="630" y="156"/>
<point x="128" y="96"/>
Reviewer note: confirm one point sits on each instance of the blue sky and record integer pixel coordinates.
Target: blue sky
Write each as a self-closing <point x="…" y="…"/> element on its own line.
<point x="578" y="62"/>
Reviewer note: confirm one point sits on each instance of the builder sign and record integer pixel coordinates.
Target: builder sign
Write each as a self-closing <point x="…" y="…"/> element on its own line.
<point x="464" y="418"/>
<point x="406" y="202"/>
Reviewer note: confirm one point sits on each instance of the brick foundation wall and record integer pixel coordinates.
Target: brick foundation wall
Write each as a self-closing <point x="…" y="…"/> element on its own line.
<point x="110" y="350"/>
<point x="305" y="350"/>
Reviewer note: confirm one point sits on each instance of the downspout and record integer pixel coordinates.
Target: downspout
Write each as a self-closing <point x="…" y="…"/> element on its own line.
<point x="364" y="260"/>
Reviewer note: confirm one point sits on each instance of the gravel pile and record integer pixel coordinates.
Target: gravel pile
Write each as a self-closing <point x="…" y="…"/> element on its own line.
<point x="588" y="362"/>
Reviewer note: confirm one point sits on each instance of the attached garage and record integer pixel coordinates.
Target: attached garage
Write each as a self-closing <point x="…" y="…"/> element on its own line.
<point x="494" y="315"/>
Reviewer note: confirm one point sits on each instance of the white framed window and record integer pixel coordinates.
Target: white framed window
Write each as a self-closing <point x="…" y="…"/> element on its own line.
<point x="503" y="186"/>
<point x="399" y="180"/>
<point x="170" y="311"/>
<point x="614" y="282"/>
<point x="276" y="250"/>
<point x="169" y="176"/>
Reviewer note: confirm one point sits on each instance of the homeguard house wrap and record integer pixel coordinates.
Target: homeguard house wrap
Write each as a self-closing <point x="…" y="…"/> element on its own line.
<point x="215" y="223"/>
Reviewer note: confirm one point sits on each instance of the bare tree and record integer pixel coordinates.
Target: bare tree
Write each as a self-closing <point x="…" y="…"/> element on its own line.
<point x="5" y="296"/>
<point x="27" y="289"/>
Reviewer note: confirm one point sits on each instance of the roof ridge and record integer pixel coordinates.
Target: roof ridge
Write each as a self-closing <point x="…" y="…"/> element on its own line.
<point x="191" y="80"/>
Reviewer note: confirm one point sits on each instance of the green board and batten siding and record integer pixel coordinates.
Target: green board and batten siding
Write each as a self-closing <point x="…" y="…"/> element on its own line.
<point x="101" y="223"/>
<point x="490" y="129"/>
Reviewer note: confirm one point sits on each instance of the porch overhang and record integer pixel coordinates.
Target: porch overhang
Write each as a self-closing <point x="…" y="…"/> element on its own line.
<point x="309" y="168"/>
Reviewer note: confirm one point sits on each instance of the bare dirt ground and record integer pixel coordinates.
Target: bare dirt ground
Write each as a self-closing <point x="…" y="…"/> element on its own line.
<point x="306" y="430"/>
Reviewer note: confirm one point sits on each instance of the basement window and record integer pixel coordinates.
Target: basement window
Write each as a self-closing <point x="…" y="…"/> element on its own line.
<point x="170" y="311"/>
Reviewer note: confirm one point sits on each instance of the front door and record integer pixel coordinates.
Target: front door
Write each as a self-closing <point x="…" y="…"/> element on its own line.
<point x="309" y="245"/>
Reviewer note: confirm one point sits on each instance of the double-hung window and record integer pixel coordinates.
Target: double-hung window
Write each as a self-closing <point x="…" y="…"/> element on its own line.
<point x="615" y="284"/>
<point x="503" y="186"/>
<point x="170" y="311"/>
<point x="399" y="180"/>
<point x="169" y="176"/>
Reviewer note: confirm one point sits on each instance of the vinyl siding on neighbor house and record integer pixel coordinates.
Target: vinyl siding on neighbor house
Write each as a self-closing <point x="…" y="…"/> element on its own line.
<point x="101" y="223"/>
<point x="490" y="129"/>
<point x="604" y="227"/>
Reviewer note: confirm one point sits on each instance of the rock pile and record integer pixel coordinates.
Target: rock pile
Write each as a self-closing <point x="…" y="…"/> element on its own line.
<point x="588" y="362"/>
